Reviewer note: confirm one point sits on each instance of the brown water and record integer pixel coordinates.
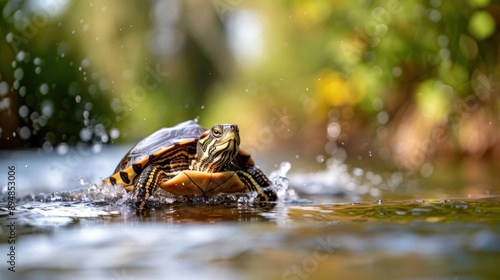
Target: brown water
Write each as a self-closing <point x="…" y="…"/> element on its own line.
<point x="402" y="227"/>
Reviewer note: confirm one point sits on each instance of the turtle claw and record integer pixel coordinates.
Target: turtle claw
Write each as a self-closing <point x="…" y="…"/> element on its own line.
<point x="271" y="194"/>
<point x="267" y="195"/>
<point x="139" y="204"/>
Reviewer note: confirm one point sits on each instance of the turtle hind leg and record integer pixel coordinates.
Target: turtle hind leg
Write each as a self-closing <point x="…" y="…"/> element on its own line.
<point x="147" y="184"/>
<point x="256" y="181"/>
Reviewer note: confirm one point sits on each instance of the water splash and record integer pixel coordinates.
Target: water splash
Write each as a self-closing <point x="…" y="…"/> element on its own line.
<point x="161" y="197"/>
<point x="104" y="192"/>
<point x="280" y="182"/>
<point x="338" y="181"/>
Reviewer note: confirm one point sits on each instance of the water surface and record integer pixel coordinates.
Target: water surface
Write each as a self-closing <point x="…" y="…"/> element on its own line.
<point x="348" y="224"/>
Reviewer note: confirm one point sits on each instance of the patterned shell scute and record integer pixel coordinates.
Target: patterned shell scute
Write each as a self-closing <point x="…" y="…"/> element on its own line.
<point x="161" y="140"/>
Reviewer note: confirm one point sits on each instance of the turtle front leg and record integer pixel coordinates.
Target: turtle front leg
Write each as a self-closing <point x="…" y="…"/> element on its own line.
<point x="256" y="181"/>
<point x="147" y="184"/>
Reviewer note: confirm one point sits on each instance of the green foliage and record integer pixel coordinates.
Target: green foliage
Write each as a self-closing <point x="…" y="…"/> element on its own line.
<point x="482" y="25"/>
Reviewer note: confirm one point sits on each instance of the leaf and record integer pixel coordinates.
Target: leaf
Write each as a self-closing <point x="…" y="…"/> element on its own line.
<point x="479" y="3"/>
<point x="481" y="25"/>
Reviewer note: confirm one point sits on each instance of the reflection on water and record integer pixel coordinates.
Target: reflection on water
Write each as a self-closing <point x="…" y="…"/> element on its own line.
<point x="91" y="232"/>
<point x="292" y="240"/>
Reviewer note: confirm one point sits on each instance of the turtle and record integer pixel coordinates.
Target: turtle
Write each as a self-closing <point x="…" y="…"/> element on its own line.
<point x="189" y="160"/>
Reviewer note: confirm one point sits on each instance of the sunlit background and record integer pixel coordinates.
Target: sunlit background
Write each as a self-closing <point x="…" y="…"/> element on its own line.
<point x="377" y="121"/>
<point x="405" y="83"/>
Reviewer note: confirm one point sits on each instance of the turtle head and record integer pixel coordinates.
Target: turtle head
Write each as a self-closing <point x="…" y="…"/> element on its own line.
<point x="217" y="147"/>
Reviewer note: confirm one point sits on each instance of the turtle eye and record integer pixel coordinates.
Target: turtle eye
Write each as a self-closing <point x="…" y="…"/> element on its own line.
<point x="217" y="131"/>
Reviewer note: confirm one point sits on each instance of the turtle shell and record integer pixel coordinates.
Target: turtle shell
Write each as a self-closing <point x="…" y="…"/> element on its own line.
<point x="160" y="142"/>
<point x="173" y="149"/>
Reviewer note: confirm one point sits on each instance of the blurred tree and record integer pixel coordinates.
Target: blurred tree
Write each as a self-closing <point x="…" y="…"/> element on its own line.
<point x="401" y="80"/>
<point x="90" y="72"/>
<point x="52" y="95"/>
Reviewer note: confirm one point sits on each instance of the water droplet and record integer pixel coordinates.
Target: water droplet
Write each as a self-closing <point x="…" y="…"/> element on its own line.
<point x="357" y="172"/>
<point x="22" y="91"/>
<point x="23" y="111"/>
<point x="42" y="121"/>
<point x="9" y="37"/>
<point x="47" y="108"/>
<point x="25" y="166"/>
<point x="374" y="192"/>
<point x="285" y="166"/>
<point x="20" y="56"/>
<point x="4" y="88"/>
<point x="85" y="63"/>
<point x="25" y="132"/>
<point x="96" y="148"/>
<point x="370" y="153"/>
<point x="320" y="159"/>
<point x="333" y="130"/>
<point x="396" y="72"/>
<point x="44" y="89"/>
<point x="443" y="41"/>
<point x="47" y="146"/>
<point x="5" y="103"/>
<point x="382" y="117"/>
<point x="444" y="53"/>
<point x="19" y="74"/>
<point x="86" y="134"/>
<point x="435" y="15"/>
<point x="114" y="133"/>
<point x="62" y="149"/>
